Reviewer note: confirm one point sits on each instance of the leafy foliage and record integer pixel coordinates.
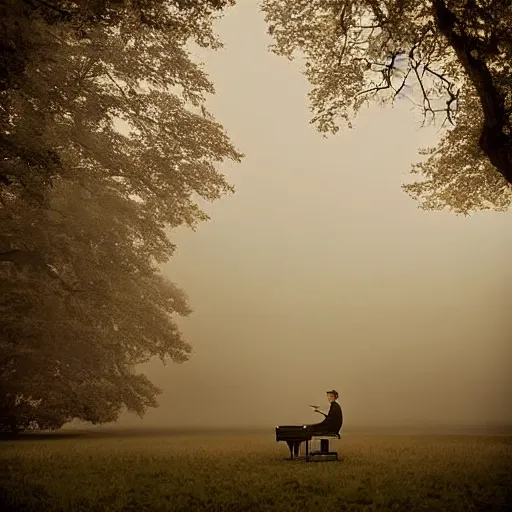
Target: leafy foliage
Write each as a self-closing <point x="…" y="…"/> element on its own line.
<point x="457" y="172"/>
<point x="455" y="54"/>
<point x="105" y="143"/>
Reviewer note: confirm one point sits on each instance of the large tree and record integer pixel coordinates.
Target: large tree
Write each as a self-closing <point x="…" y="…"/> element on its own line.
<point x="453" y="57"/>
<point x="105" y="143"/>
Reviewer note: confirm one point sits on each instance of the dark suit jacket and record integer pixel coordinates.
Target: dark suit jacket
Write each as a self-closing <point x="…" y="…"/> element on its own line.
<point x="334" y="419"/>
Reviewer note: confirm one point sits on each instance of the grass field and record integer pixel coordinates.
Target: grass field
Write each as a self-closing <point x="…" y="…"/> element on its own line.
<point x="243" y="471"/>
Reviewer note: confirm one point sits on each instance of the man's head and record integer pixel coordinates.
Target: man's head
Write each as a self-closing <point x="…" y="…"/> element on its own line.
<point x="332" y="395"/>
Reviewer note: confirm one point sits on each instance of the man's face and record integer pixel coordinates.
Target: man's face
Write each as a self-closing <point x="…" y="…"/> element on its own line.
<point x="331" y="397"/>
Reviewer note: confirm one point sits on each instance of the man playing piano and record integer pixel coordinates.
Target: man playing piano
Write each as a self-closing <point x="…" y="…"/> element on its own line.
<point x="330" y="425"/>
<point x="333" y="419"/>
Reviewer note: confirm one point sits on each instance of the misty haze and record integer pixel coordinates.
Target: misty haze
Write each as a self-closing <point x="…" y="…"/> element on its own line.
<point x="235" y="233"/>
<point x="320" y="272"/>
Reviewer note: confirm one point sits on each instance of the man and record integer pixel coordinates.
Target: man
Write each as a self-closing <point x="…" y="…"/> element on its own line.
<point x="330" y="425"/>
<point x="333" y="419"/>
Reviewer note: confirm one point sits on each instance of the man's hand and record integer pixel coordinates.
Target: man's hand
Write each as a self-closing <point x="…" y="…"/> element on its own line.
<point x="316" y="407"/>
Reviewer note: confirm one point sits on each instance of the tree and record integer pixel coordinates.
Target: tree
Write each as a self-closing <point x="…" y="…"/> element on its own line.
<point x="73" y="332"/>
<point x="54" y="52"/>
<point x="105" y="143"/>
<point x="456" y="55"/>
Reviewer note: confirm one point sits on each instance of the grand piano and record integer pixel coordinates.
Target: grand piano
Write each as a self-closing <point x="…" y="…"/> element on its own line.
<point x="304" y="433"/>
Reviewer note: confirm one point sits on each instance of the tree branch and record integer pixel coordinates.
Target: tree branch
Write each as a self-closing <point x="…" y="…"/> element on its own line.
<point x="117" y="85"/>
<point x="402" y="85"/>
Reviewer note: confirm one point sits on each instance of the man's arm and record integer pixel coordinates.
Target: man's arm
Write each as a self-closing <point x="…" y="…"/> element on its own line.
<point x="315" y="407"/>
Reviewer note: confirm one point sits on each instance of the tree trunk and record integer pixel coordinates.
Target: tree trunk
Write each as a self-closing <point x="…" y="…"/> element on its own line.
<point x="496" y="137"/>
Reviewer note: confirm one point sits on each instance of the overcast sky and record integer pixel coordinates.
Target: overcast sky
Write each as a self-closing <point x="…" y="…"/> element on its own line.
<point x="320" y="273"/>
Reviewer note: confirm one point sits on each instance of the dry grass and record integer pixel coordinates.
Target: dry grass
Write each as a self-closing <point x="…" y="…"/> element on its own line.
<point x="246" y="473"/>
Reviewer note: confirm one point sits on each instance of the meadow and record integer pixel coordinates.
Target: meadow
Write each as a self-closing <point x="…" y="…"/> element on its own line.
<point x="245" y="471"/>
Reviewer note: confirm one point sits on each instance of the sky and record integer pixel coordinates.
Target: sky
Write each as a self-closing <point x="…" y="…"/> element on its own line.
<point x="321" y="273"/>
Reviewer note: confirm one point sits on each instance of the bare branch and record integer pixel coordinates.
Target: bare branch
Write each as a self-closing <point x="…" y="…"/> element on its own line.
<point x="427" y="107"/>
<point x="402" y="85"/>
<point x="377" y="88"/>
<point x="117" y="85"/>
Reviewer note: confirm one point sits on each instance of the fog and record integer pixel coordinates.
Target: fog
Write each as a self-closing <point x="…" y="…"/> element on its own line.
<point x="321" y="273"/>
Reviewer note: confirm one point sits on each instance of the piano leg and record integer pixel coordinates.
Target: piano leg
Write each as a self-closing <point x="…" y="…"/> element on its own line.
<point x="294" y="447"/>
<point x="307" y="451"/>
<point x="290" y="447"/>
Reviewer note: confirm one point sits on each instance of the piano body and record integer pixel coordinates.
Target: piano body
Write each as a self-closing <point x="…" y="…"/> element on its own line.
<point x="302" y="433"/>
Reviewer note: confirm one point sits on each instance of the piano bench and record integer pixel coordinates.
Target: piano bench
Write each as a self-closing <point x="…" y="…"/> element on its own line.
<point x="324" y="453"/>
<point x="324" y="441"/>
